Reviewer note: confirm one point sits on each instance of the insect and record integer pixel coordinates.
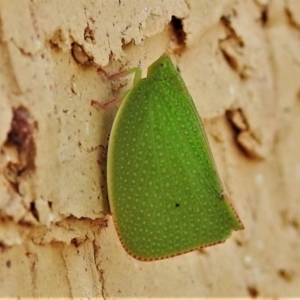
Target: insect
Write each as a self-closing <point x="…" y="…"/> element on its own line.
<point x="165" y="195"/>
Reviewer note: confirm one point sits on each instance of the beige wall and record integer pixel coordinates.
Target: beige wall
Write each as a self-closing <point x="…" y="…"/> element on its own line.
<point x="241" y="63"/>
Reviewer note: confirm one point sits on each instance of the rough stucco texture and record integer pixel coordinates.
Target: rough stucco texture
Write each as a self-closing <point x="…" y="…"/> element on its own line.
<point x="241" y="63"/>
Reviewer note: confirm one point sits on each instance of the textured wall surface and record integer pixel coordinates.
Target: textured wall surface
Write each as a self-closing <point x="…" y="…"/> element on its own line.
<point x="241" y="63"/>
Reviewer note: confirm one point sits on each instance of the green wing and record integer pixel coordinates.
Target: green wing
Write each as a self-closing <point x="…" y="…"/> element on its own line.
<point x="165" y="195"/>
